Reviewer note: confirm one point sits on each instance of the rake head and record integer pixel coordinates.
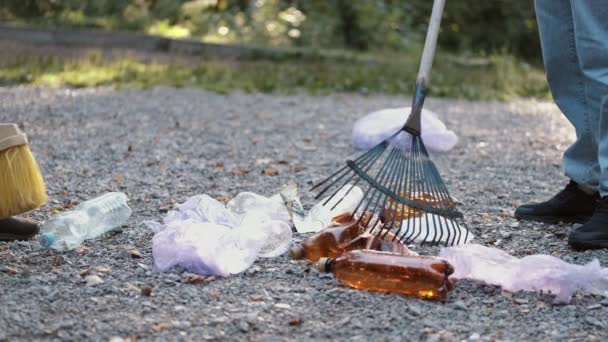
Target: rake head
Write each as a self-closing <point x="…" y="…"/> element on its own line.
<point x="403" y="191"/>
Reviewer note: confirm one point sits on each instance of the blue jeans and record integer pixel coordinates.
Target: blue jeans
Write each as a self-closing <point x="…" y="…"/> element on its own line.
<point x="574" y="40"/>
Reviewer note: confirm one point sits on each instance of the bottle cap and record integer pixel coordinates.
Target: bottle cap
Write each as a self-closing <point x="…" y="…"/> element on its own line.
<point x="323" y="265"/>
<point x="11" y="136"/>
<point x="296" y="252"/>
<point x="47" y="239"/>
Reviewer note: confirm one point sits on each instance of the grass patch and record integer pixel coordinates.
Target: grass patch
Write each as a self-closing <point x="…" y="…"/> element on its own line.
<point x="503" y="78"/>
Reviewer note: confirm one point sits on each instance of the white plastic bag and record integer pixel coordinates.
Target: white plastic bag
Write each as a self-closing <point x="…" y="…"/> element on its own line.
<point x="205" y="237"/>
<point x="378" y="126"/>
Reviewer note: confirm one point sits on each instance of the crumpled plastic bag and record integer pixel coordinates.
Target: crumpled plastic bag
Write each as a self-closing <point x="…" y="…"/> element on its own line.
<point x="531" y="273"/>
<point x="205" y="237"/>
<point x="320" y="216"/>
<point x="378" y="126"/>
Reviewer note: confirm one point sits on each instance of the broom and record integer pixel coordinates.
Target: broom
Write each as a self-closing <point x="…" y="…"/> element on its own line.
<point x="21" y="185"/>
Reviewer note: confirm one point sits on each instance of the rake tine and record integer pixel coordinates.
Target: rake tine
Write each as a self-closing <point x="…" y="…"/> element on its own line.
<point x="381" y="174"/>
<point x="374" y="150"/>
<point x="345" y="171"/>
<point x="418" y="169"/>
<point x="390" y="160"/>
<point x="395" y="204"/>
<point x="395" y="167"/>
<point x="366" y="168"/>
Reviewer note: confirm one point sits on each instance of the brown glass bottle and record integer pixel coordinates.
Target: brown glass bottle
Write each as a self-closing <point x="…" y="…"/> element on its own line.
<point x="419" y="276"/>
<point x="329" y="242"/>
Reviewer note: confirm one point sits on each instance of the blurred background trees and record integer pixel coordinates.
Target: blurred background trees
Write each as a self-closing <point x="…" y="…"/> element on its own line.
<point x="470" y="27"/>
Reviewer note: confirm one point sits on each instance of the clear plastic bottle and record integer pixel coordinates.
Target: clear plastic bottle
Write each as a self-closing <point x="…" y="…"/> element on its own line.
<point x="419" y="276"/>
<point x="86" y="221"/>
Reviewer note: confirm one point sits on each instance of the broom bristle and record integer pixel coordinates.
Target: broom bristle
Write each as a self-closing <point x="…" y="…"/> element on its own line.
<point x="21" y="184"/>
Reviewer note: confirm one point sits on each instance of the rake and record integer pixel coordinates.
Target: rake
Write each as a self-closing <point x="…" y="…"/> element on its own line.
<point x="404" y="190"/>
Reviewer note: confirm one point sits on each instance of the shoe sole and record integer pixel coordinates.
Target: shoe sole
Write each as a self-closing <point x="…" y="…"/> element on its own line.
<point x="581" y="246"/>
<point x="12" y="237"/>
<point x="554" y="219"/>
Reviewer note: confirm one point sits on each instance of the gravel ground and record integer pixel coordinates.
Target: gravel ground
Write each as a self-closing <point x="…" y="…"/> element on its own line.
<point x="162" y="145"/>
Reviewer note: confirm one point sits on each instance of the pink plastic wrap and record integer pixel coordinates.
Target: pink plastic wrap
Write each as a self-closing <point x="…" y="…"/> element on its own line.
<point x="532" y="273"/>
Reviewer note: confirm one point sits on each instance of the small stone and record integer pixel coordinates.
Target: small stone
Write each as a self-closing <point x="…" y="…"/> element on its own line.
<point x="520" y="301"/>
<point x="604" y="302"/>
<point x="415" y="311"/>
<point x="460" y="305"/>
<point x="282" y="306"/>
<point x="93" y="280"/>
<point x="595" y="322"/>
<point x="594" y="306"/>
<point x="243" y="326"/>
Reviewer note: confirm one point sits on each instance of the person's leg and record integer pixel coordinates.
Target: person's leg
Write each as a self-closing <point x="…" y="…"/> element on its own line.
<point x="591" y="32"/>
<point x="556" y="25"/>
<point x="567" y="83"/>
<point x="590" y="19"/>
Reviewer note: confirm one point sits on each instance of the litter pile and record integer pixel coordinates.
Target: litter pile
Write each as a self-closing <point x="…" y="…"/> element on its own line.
<point x="206" y="237"/>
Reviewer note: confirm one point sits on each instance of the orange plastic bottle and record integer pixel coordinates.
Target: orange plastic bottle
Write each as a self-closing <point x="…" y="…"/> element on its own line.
<point x="329" y="242"/>
<point x="344" y="235"/>
<point x="419" y="276"/>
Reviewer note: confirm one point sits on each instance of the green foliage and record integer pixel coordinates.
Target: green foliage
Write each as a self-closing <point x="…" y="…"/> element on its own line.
<point x="481" y="27"/>
<point x="503" y="78"/>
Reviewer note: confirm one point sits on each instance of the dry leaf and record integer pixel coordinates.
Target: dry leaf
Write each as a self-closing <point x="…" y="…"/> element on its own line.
<point x="82" y="249"/>
<point x="215" y="292"/>
<point x="486" y="216"/>
<point x="146" y="291"/>
<point x="270" y="172"/>
<point x="282" y="162"/>
<point x="104" y="270"/>
<point x="296" y="322"/>
<point x="134" y="252"/>
<point x="87" y="272"/>
<point x="119" y="178"/>
<point x="257" y="298"/>
<point x="161" y="326"/>
<point x="193" y="279"/>
<point x="57" y="260"/>
<point x="9" y="270"/>
<point x="244" y="172"/>
<point x="218" y="164"/>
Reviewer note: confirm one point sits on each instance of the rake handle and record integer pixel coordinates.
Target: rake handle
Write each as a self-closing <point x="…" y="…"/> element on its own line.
<point x="422" y="81"/>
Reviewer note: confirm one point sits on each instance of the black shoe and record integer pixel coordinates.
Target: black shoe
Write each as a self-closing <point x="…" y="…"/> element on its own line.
<point x="571" y="205"/>
<point x="16" y="229"/>
<point x="593" y="234"/>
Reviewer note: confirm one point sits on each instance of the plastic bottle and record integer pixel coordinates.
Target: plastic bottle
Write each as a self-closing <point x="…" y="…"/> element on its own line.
<point x="329" y="242"/>
<point x="419" y="276"/>
<point x="88" y="220"/>
<point x="345" y="235"/>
